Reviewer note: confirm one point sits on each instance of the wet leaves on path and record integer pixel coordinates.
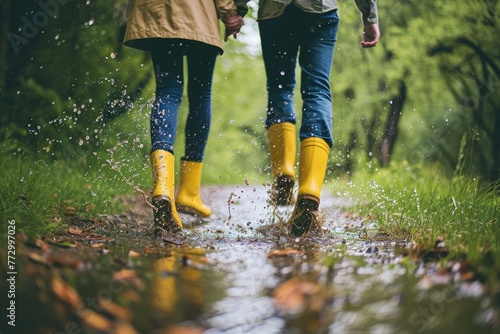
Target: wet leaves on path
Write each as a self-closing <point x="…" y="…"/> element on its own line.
<point x="284" y="252"/>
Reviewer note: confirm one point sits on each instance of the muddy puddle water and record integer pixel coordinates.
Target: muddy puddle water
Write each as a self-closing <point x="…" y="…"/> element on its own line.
<point x="238" y="272"/>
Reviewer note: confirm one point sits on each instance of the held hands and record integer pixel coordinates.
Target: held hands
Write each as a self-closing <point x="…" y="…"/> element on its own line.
<point x="233" y="26"/>
<point x="371" y="35"/>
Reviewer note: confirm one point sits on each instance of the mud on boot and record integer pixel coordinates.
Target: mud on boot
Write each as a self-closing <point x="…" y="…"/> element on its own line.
<point x="165" y="217"/>
<point x="305" y="216"/>
<point x="282" y="190"/>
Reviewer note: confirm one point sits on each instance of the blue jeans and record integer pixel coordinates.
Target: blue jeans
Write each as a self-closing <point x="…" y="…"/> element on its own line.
<point x="282" y="38"/>
<point x="167" y="56"/>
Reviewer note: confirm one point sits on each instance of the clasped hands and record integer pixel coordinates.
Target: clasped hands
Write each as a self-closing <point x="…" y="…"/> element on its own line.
<point x="233" y="26"/>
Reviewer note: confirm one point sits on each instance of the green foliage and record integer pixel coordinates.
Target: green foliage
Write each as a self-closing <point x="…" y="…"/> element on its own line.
<point x="451" y="75"/>
<point x="62" y="78"/>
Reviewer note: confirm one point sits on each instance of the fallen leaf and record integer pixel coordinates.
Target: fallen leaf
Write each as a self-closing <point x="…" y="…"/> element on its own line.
<point x="293" y="295"/>
<point x="41" y="244"/>
<point x="132" y="253"/>
<point x="95" y="320"/>
<point x="467" y="276"/>
<point x="69" y="210"/>
<point x="124" y="274"/>
<point x="115" y="310"/>
<point x="65" y="292"/>
<point x="182" y="330"/>
<point x="284" y="252"/>
<point x="131" y="296"/>
<point x="124" y="328"/>
<point x="38" y="243"/>
<point x="35" y="257"/>
<point x="75" y="230"/>
<point x="64" y="244"/>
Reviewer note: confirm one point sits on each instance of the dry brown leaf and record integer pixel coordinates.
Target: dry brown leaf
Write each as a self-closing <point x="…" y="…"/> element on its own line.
<point x="69" y="210"/>
<point x="132" y="253"/>
<point x="42" y="245"/>
<point x="293" y="294"/>
<point x="97" y="245"/>
<point x="95" y="320"/>
<point x="75" y="230"/>
<point x="64" y="243"/>
<point x="197" y="259"/>
<point x="131" y="296"/>
<point x="284" y="252"/>
<point x="468" y="276"/>
<point x="115" y="310"/>
<point x="124" y="328"/>
<point x="35" y="257"/>
<point x="124" y="274"/>
<point x="182" y="330"/>
<point x="65" y="292"/>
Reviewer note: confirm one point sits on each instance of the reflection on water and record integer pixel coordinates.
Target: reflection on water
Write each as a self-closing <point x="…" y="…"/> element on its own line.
<point x="226" y="278"/>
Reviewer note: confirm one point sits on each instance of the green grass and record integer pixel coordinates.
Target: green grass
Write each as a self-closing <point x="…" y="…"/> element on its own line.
<point x="38" y="195"/>
<point x="420" y="204"/>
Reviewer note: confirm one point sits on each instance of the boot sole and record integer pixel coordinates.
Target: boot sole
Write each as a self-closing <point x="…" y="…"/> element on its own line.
<point x="304" y="216"/>
<point x="163" y="215"/>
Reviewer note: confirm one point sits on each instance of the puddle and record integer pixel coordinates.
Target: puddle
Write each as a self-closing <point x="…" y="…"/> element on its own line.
<point x="227" y="277"/>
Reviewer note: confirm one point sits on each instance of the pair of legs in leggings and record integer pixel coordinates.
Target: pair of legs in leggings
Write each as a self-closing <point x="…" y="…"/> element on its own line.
<point x="168" y="61"/>
<point x="310" y="38"/>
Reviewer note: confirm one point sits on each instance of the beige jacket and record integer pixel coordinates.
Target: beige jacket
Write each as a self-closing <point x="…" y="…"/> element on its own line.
<point x="187" y="19"/>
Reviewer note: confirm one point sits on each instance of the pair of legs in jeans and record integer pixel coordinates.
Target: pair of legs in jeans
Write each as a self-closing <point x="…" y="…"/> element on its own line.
<point x="310" y="39"/>
<point x="168" y="61"/>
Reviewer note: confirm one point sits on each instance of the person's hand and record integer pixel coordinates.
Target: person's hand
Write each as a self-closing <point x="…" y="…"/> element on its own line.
<point x="233" y="26"/>
<point x="371" y="35"/>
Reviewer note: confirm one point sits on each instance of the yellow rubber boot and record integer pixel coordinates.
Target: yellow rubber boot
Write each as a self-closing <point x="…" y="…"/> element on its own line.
<point x="164" y="284"/>
<point x="165" y="213"/>
<point x="188" y="198"/>
<point x="177" y="287"/>
<point x="282" y="148"/>
<point x="312" y="168"/>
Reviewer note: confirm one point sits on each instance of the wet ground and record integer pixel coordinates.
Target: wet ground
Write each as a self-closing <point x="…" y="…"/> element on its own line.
<point x="238" y="272"/>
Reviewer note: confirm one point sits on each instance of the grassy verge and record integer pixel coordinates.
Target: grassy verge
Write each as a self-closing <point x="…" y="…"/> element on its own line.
<point x="420" y="204"/>
<point x="38" y="196"/>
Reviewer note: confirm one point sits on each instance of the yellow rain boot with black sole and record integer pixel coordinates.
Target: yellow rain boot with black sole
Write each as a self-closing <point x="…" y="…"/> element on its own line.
<point x="313" y="160"/>
<point x="188" y="198"/>
<point x="165" y="213"/>
<point x="282" y="148"/>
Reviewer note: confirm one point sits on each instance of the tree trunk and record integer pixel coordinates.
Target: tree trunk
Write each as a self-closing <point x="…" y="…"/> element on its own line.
<point x="391" y="129"/>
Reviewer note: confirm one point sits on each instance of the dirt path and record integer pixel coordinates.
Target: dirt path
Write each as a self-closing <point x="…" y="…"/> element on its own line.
<point x="237" y="272"/>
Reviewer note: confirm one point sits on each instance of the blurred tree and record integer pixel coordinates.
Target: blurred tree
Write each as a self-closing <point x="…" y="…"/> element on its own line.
<point x="468" y="62"/>
<point x="62" y="61"/>
<point x="447" y="77"/>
